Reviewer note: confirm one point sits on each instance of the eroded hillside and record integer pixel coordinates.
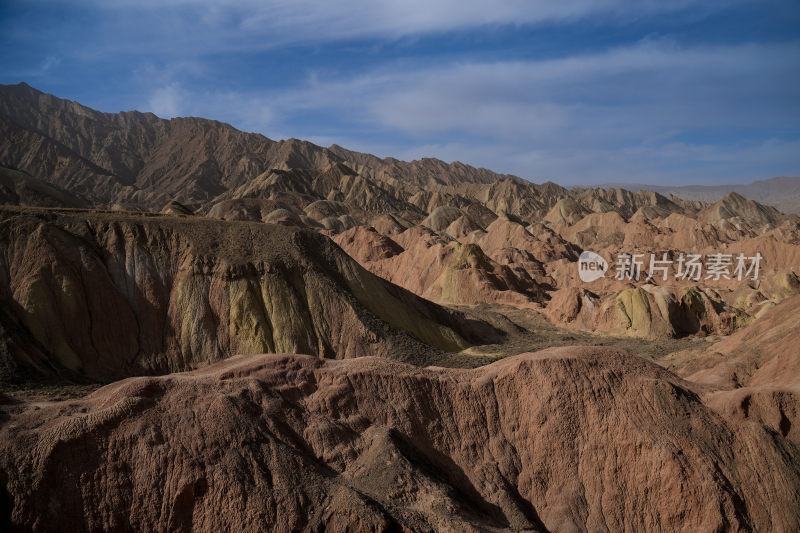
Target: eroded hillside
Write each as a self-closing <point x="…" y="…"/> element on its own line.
<point x="106" y="295"/>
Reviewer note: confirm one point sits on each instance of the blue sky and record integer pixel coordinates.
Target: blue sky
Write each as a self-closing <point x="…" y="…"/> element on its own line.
<point x="573" y="91"/>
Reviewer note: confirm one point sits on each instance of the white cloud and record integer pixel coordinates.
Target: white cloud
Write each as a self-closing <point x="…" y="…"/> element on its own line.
<point x="651" y="111"/>
<point x="166" y="101"/>
<point x="675" y="163"/>
<point x="213" y="26"/>
<point x="640" y="93"/>
<point x="49" y="63"/>
<point x="248" y="112"/>
<point x="637" y="92"/>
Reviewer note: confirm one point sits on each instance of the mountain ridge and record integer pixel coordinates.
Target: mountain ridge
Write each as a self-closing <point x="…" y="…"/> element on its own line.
<point x="143" y="161"/>
<point x="781" y="192"/>
<point x="139" y="149"/>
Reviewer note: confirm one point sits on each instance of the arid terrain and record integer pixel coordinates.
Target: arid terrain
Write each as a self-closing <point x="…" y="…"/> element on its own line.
<point x="206" y="329"/>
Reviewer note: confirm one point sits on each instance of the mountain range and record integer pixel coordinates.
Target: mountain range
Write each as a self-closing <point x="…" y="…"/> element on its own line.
<point x="782" y="193"/>
<point x="206" y="329"/>
<point x="138" y="161"/>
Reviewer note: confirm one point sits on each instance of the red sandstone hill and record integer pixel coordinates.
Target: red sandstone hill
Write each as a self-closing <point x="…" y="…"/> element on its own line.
<point x="109" y="295"/>
<point x="144" y="161"/>
<point x="244" y="245"/>
<point x="462" y="235"/>
<point x="568" y="439"/>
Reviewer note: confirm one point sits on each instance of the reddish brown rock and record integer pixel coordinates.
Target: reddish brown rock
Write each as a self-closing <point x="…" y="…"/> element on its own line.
<point x="439" y="268"/>
<point x="753" y="376"/>
<point x="106" y="296"/>
<point x="568" y="439"/>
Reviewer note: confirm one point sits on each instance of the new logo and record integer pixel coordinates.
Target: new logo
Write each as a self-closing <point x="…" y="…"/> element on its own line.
<point x="591" y="266"/>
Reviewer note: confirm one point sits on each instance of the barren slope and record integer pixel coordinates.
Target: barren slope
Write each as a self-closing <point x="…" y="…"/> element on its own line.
<point x="568" y="439"/>
<point x="106" y="295"/>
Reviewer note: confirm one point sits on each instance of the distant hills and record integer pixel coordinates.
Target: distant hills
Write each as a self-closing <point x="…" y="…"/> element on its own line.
<point x="56" y="152"/>
<point x="782" y="192"/>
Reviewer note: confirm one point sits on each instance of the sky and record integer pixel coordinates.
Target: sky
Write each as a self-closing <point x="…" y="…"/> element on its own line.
<point x="572" y="91"/>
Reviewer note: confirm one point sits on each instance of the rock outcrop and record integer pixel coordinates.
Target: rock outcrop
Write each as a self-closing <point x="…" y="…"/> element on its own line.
<point x="440" y="268"/>
<point x="567" y="439"/>
<point x="765" y="354"/>
<point x="105" y="296"/>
